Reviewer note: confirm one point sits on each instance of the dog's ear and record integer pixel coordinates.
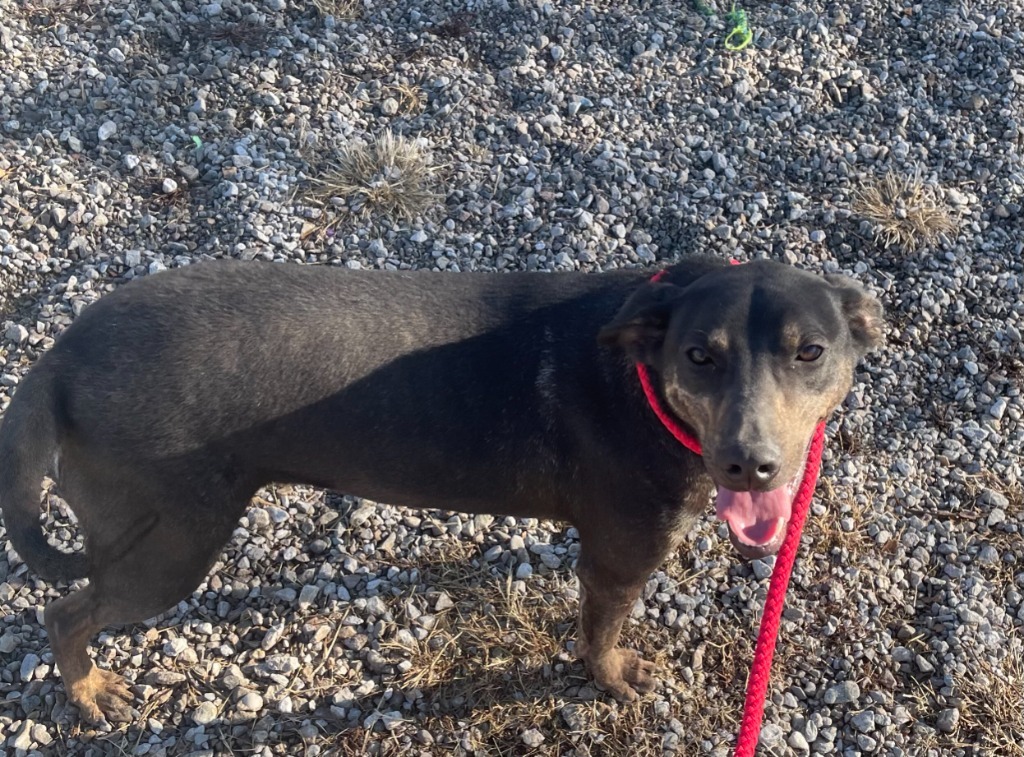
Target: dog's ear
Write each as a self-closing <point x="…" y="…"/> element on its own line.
<point x="640" y="325"/>
<point x="863" y="312"/>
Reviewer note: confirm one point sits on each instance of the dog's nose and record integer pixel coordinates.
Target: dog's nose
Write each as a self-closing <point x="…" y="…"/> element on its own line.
<point x="751" y="467"/>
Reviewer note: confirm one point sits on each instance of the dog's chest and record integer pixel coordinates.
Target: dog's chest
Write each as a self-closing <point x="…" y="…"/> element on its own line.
<point x="691" y="503"/>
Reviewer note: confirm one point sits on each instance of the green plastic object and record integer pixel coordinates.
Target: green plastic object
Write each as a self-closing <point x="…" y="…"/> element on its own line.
<point x="740" y="36"/>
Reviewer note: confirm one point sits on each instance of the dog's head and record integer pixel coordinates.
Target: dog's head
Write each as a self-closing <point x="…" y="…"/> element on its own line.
<point x="750" y="358"/>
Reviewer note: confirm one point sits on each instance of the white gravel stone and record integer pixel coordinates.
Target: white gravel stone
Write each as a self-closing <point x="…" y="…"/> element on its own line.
<point x="532" y="738"/>
<point x="948" y="720"/>
<point x="798" y="742"/>
<point x="28" y="666"/>
<point x="251" y="702"/>
<point x="174" y="647"/>
<point x="842" y="693"/>
<point x="16" y="333"/>
<point x="22" y="738"/>
<point x="205" y="713"/>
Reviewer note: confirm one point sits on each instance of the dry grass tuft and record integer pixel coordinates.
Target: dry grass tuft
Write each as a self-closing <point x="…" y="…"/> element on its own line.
<point x="905" y="211"/>
<point x="242" y="33"/>
<point x="459" y="25"/>
<point x="47" y="14"/>
<point x="343" y="10"/>
<point x="720" y="663"/>
<point x="826" y="529"/>
<point x="392" y="176"/>
<point x="411" y="98"/>
<point x="992" y="704"/>
<point x="496" y="659"/>
<point x="1005" y="538"/>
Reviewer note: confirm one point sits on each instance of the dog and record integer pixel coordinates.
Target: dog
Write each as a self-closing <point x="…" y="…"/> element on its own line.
<point x="167" y="404"/>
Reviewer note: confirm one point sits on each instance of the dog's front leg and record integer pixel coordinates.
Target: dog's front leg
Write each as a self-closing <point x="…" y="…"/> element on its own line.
<point x="611" y="579"/>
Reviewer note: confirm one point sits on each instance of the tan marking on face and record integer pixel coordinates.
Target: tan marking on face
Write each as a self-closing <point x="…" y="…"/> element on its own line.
<point x="718" y="340"/>
<point x="791" y="338"/>
<point x="797" y="415"/>
<point x="786" y="414"/>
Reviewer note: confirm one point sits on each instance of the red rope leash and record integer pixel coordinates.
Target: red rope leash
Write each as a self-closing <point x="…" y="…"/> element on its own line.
<point x="760" y="669"/>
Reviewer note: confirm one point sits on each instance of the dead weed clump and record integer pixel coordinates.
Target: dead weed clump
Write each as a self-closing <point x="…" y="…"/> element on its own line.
<point x="992" y="704"/>
<point x="392" y="176"/>
<point x="342" y="10"/>
<point x="905" y="211"/>
<point x="827" y="530"/>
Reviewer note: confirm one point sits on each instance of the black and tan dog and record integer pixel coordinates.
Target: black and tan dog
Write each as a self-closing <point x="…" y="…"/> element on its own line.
<point x="163" y="409"/>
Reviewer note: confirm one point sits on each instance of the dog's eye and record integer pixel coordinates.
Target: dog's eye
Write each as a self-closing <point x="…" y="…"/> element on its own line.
<point x="698" y="356"/>
<point x="810" y="353"/>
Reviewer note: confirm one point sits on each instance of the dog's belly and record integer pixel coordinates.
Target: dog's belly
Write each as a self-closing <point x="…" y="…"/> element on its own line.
<point x="383" y="442"/>
<point x="485" y="484"/>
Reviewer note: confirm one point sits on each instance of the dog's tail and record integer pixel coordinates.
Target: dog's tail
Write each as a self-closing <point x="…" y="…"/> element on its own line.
<point x="28" y="443"/>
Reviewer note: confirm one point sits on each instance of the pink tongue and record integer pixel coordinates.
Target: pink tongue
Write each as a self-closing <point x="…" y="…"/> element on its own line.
<point x="756" y="518"/>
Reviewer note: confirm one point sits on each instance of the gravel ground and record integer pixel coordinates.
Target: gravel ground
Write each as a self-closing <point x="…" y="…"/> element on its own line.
<point x="555" y="135"/>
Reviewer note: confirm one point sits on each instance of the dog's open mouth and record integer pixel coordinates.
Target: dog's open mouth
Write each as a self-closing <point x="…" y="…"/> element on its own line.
<point x="758" y="519"/>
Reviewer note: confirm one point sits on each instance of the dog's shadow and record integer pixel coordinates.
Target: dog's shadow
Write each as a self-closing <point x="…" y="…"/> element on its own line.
<point x="481" y="651"/>
<point x="491" y="642"/>
<point x="497" y="661"/>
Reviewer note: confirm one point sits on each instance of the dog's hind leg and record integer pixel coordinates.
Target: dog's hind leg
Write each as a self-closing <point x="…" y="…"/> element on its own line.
<point x="70" y="623"/>
<point x="134" y="575"/>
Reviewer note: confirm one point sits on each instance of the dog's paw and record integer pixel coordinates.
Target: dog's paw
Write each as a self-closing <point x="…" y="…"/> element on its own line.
<point x="624" y="674"/>
<point x="102" y="697"/>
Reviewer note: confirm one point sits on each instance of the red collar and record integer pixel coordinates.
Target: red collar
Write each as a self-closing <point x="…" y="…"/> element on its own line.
<point x="683" y="436"/>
